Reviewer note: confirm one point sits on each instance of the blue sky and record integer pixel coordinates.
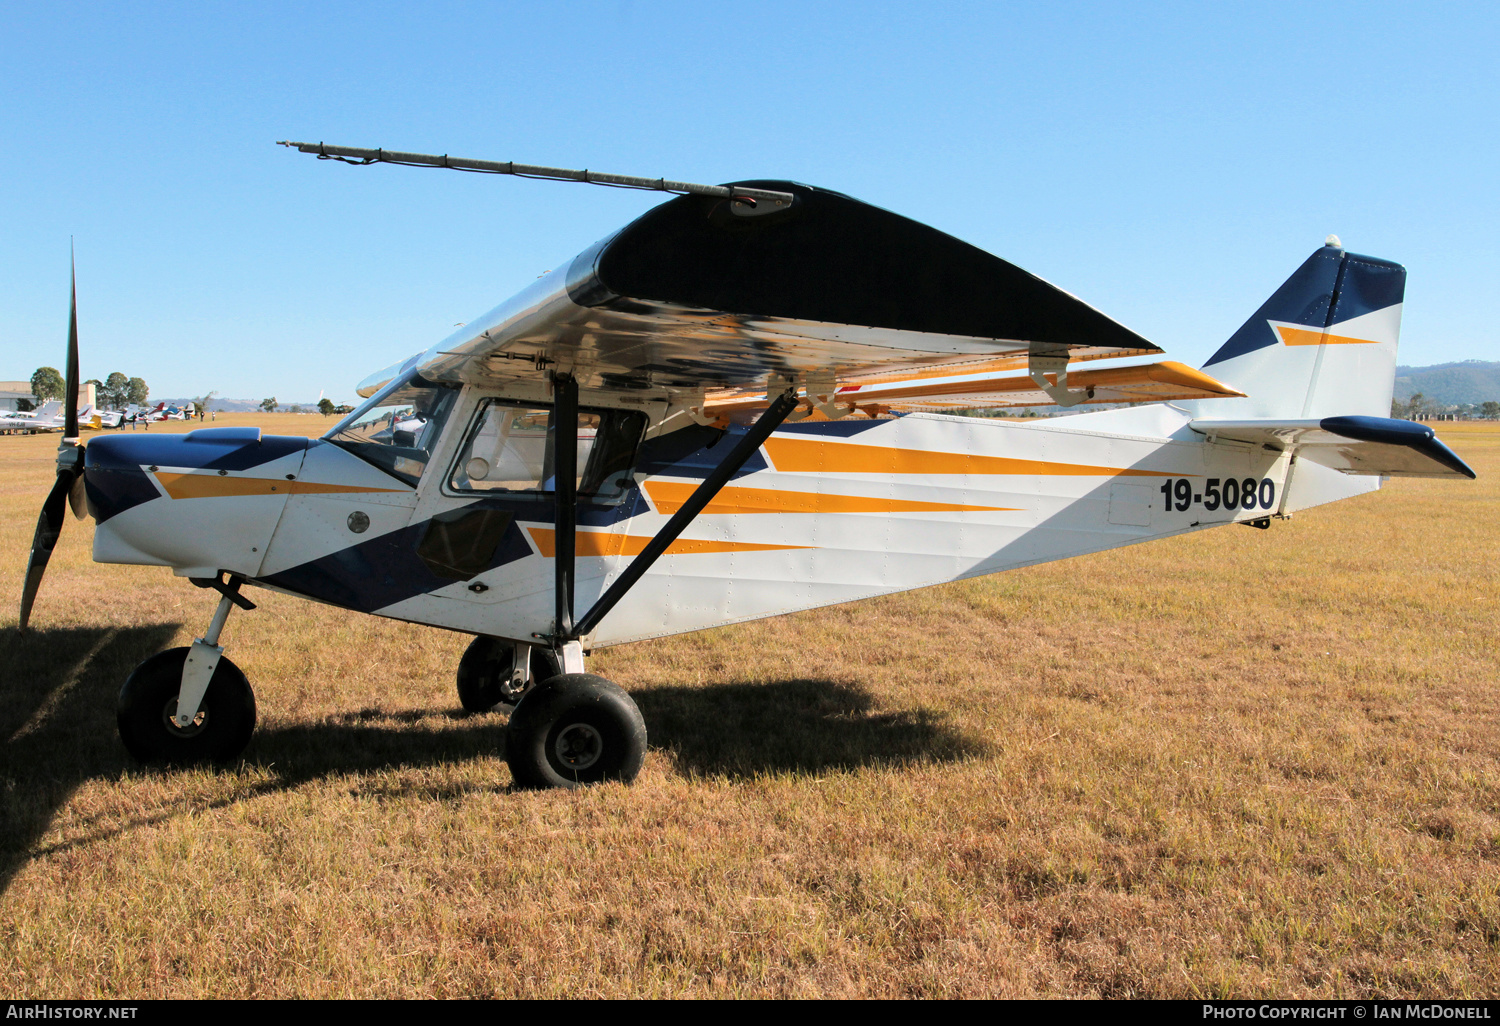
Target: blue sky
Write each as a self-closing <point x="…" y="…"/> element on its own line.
<point x="1171" y="163"/>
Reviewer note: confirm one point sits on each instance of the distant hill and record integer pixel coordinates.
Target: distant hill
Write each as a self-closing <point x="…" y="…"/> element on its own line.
<point x="1472" y="381"/>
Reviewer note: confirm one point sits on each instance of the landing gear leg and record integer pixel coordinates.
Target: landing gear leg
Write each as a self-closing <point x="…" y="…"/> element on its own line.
<point x="576" y="728"/>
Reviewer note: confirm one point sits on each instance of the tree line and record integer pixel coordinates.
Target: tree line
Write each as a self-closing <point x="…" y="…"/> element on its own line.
<point x="1419" y="406"/>
<point x="117" y="391"/>
<point x="325" y="407"/>
<point x="114" y="392"/>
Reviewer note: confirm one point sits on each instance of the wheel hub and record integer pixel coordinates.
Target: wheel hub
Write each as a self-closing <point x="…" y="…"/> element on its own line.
<point x="169" y="715"/>
<point x="578" y="746"/>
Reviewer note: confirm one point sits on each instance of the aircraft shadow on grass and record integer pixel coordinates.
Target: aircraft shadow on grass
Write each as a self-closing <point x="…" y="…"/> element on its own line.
<point x="731" y="729"/>
<point x="57" y="722"/>
<point x="57" y="702"/>
<point x="791" y="726"/>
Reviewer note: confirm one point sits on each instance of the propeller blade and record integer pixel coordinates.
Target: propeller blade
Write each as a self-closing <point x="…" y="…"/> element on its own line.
<point x="48" y="528"/>
<point x="78" y="500"/>
<point x="68" y="488"/>
<point x="70" y="396"/>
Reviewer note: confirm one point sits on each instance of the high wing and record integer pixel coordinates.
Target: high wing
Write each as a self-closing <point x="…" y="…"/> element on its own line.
<point x="695" y="298"/>
<point x="1352" y="445"/>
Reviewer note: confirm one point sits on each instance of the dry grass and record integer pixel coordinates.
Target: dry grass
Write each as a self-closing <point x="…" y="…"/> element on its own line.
<point x="1241" y="763"/>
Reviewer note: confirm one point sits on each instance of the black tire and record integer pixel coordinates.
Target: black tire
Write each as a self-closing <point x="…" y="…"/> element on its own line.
<point x="484" y="674"/>
<point x="573" y="730"/>
<point x="148" y="701"/>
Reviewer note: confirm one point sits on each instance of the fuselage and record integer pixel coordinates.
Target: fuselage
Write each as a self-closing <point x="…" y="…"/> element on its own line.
<point x="827" y="512"/>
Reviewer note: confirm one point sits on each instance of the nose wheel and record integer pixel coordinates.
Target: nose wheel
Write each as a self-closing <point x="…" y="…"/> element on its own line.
<point x="147" y="713"/>
<point x="575" y="729"/>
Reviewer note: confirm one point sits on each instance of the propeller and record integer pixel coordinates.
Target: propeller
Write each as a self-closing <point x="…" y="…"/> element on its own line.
<point x="69" y="471"/>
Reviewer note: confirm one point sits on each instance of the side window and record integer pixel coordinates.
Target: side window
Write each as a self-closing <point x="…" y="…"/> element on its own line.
<point x="506" y="453"/>
<point x="510" y="450"/>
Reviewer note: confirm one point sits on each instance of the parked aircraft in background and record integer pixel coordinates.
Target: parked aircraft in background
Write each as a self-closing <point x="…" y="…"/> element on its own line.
<point x="47" y="417"/>
<point x="733" y="407"/>
<point x="32" y="421"/>
<point x="115" y="419"/>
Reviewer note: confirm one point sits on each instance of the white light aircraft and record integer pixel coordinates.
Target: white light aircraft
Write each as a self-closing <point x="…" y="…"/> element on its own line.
<point x="110" y="420"/>
<point x="733" y="407"/>
<point x="31" y="421"/>
<point x="46" y="417"/>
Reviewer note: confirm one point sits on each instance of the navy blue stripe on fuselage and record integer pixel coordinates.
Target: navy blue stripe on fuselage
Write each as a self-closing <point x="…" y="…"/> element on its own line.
<point x="112" y="490"/>
<point x="385" y="570"/>
<point x="222" y="453"/>
<point x="695" y="452"/>
<point x="852" y="425"/>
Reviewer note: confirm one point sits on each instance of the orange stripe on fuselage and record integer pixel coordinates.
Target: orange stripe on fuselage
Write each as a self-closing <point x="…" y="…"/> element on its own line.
<point x="1314" y="337"/>
<point x="602" y="543"/>
<point x="212" y="486"/>
<point x="814" y="456"/>
<point x="670" y="495"/>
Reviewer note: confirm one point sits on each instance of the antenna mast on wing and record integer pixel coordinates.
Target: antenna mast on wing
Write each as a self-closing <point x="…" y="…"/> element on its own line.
<point x="747" y="202"/>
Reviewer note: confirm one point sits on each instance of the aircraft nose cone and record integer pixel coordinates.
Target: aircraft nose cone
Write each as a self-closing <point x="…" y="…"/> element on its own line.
<point x="199" y="502"/>
<point x="123" y="471"/>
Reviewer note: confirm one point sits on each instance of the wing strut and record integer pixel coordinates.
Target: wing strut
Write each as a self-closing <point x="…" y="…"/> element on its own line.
<point x="701" y="497"/>
<point x="565" y="473"/>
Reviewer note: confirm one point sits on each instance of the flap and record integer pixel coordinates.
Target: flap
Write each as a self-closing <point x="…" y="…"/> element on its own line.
<point x="1155" y="382"/>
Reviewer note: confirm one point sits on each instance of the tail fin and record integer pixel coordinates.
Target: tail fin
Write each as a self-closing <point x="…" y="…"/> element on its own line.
<point x="1323" y="345"/>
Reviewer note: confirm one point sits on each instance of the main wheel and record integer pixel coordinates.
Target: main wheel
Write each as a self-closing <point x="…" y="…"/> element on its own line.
<point x="484" y="674"/>
<point x="575" y="729"/>
<point x="147" y="709"/>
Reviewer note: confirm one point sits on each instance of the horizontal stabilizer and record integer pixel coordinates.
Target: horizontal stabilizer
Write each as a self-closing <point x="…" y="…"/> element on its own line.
<point x="1353" y="445"/>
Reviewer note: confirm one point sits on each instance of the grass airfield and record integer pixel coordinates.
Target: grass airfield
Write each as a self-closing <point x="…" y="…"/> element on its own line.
<point x="1240" y="763"/>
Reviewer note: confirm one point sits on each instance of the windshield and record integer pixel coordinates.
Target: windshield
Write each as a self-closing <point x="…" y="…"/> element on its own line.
<point x="398" y="427"/>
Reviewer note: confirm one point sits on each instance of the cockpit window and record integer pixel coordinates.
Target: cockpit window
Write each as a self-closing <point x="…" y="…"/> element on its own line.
<point x="398" y="427"/>
<point x="510" y="449"/>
